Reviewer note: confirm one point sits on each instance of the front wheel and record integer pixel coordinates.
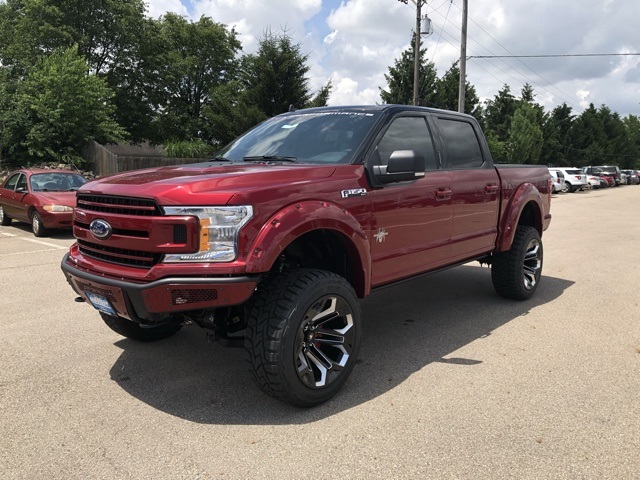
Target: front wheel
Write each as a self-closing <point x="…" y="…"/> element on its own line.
<point x="516" y="273"/>
<point x="303" y="336"/>
<point x="38" y="228"/>
<point x="141" y="333"/>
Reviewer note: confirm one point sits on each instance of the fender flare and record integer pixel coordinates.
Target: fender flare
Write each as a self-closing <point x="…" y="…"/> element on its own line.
<point x="524" y="195"/>
<point x="299" y="218"/>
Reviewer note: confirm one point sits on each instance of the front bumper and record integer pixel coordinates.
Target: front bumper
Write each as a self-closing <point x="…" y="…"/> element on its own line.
<point x="56" y="219"/>
<point x="154" y="302"/>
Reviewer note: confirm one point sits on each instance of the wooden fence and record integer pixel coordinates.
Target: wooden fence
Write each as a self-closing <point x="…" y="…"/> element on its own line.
<point x="103" y="162"/>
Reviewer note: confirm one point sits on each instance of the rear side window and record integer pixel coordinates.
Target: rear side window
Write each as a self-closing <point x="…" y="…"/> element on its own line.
<point x="408" y="133"/>
<point x="11" y="181"/>
<point x="461" y="142"/>
<point x="574" y="172"/>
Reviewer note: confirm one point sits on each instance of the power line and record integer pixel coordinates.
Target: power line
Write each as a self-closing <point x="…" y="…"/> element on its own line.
<point x="527" y="66"/>
<point x="557" y="55"/>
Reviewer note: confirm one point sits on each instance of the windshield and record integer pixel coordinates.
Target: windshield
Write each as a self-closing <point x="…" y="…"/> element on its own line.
<point x="321" y="137"/>
<point x="56" y="182"/>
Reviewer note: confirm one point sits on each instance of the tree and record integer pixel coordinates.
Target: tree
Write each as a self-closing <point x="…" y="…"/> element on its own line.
<point x="229" y="113"/>
<point x="400" y="80"/>
<point x="588" y="138"/>
<point x="274" y="78"/>
<point x="322" y="97"/>
<point x="112" y="35"/>
<point x="525" y="136"/>
<point x="56" y="109"/>
<point x="197" y="57"/>
<point x="447" y="91"/>
<point x="632" y="126"/>
<point x="499" y="112"/>
<point x="556" y="129"/>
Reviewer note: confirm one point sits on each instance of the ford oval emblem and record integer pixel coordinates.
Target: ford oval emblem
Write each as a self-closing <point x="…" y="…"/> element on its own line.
<point x="100" y="229"/>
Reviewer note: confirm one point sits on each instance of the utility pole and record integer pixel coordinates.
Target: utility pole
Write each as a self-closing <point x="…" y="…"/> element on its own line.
<point x="463" y="58"/>
<point x="416" y="58"/>
<point x="416" y="53"/>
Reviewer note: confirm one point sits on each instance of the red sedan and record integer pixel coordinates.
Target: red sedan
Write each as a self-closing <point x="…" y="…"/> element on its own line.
<point x="43" y="198"/>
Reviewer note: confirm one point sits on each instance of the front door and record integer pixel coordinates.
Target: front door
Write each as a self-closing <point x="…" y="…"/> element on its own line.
<point x="411" y="222"/>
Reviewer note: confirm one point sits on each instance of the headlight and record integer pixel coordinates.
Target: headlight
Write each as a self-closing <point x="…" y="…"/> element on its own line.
<point x="219" y="229"/>
<point x="57" y="208"/>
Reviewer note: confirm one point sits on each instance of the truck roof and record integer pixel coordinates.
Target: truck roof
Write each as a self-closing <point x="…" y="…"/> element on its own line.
<point x="373" y="109"/>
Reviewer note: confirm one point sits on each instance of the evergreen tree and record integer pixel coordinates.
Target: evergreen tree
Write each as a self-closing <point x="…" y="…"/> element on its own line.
<point x="498" y="114"/>
<point x="447" y="90"/>
<point x="400" y="80"/>
<point x="275" y="77"/>
<point x="525" y="136"/>
<point x="556" y="150"/>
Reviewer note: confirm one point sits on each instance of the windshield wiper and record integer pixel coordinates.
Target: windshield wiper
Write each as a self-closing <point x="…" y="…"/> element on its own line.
<point x="276" y="158"/>
<point x="220" y="159"/>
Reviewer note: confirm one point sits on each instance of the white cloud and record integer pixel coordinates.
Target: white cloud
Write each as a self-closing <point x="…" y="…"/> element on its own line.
<point x="156" y="8"/>
<point x="354" y="42"/>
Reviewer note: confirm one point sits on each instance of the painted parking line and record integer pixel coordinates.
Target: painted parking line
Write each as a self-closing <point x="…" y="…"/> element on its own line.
<point x="29" y="252"/>
<point x="33" y="240"/>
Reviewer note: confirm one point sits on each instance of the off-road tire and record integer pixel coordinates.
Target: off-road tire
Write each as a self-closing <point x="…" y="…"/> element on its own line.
<point x="298" y="318"/>
<point x="134" y="331"/>
<point x="37" y="227"/>
<point x="4" y="220"/>
<point x="516" y="273"/>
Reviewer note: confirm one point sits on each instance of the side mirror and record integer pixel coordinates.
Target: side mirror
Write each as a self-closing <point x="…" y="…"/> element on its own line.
<point x="403" y="166"/>
<point x="21" y="190"/>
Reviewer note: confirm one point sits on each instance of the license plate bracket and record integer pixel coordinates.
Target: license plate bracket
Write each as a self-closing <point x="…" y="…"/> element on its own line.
<point x="100" y="302"/>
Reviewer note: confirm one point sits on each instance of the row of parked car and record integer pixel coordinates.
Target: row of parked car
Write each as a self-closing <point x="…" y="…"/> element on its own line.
<point x="570" y="179"/>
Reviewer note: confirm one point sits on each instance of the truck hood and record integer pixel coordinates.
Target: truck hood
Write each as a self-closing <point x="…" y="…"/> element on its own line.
<point x="205" y="184"/>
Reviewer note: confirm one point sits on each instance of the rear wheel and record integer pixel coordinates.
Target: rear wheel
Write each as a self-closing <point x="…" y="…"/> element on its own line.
<point x="303" y="336"/>
<point x="516" y="273"/>
<point x="4" y="220"/>
<point x="141" y="333"/>
<point x="568" y="187"/>
<point x="38" y="228"/>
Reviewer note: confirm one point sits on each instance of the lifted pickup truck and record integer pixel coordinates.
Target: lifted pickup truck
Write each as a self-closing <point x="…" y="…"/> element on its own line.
<point x="273" y="241"/>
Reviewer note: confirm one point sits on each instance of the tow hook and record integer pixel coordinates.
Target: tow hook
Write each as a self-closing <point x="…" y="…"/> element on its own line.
<point x="78" y="299"/>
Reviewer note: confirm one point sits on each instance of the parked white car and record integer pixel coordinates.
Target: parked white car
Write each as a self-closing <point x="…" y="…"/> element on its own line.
<point x="574" y="178"/>
<point x="557" y="178"/>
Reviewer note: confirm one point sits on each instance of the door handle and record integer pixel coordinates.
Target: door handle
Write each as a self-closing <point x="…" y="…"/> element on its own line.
<point x="491" y="188"/>
<point x="442" y="193"/>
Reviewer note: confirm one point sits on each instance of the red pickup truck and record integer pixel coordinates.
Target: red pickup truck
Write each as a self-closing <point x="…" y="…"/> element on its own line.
<point x="273" y="241"/>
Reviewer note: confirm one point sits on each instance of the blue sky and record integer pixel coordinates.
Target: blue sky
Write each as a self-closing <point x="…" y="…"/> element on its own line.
<point x="353" y="43"/>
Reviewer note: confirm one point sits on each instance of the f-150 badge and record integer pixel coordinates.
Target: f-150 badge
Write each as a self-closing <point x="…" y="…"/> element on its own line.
<point x="354" y="192"/>
<point x="381" y="235"/>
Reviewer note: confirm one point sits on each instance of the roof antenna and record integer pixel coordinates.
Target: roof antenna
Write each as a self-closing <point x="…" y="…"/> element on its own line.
<point x="292" y="108"/>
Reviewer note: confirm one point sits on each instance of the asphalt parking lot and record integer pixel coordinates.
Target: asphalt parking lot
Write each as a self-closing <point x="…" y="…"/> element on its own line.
<point x="453" y="382"/>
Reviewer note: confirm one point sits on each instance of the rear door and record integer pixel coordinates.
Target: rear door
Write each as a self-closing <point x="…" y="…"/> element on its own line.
<point x="8" y="194"/>
<point x="411" y="220"/>
<point x="475" y="186"/>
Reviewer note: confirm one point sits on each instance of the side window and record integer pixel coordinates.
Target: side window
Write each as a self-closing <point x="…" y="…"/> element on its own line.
<point x="463" y="148"/>
<point x="408" y="133"/>
<point x="11" y="181"/>
<point x="22" y="182"/>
